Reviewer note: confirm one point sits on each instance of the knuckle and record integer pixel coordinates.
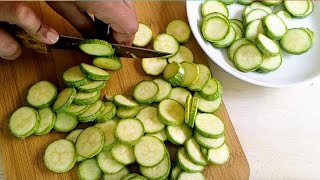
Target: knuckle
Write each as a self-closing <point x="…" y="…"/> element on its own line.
<point x="12" y="49"/>
<point x="21" y="11"/>
<point x="132" y="28"/>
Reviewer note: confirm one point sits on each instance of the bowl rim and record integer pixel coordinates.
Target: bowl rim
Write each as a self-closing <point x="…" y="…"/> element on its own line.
<point x="238" y="75"/>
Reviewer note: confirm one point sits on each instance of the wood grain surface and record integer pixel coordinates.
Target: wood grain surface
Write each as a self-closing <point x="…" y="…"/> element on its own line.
<point x="23" y="159"/>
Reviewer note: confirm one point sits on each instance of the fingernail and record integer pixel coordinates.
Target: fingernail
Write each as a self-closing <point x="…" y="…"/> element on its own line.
<point x="52" y="36"/>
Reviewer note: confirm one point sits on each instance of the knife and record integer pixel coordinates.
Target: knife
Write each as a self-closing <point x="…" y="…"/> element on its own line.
<point x="72" y="43"/>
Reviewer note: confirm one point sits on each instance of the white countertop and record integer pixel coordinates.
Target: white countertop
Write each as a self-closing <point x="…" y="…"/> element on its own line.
<point x="279" y="129"/>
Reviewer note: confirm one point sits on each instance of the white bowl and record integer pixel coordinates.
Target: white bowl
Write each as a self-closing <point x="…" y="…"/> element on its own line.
<point x="294" y="69"/>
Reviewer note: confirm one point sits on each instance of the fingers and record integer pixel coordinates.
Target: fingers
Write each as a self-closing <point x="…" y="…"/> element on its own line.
<point x="23" y="16"/>
<point x="80" y="20"/>
<point x="122" y="38"/>
<point x="120" y="15"/>
<point x="9" y="47"/>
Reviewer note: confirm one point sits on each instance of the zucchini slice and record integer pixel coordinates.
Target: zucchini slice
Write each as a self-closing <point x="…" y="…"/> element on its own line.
<point x="108" y="112"/>
<point x="47" y="119"/>
<point x="42" y="94"/>
<point x="93" y="72"/>
<point x="228" y="2"/>
<point x="235" y="46"/>
<point x="176" y="170"/>
<point x="166" y="43"/>
<point x="76" y="110"/>
<point x="124" y="101"/>
<point x="64" y="99"/>
<point x="179" y="30"/>
<point x="254" y="14"/>
<point x="187" y="109"/>
<point x="183" y="54"/>
<point x="212" y="90"/>
<point x="89" y="142"/>
<point x="129" y="131"/>
<point x="193" y="111"/>
<point x="296" y="41"/>
<point x="214" y="6"/>
<point x="174" y="73"/>
<point x="89" y="169"/>
<point x="171" y="112"/>
<point x="209" y="125"/>
<point x="159" y="171"/>
<point x="73" y="77"/>
<point x="271" y="2"/>
<point x="143" y="36"/>
<point x="274" y="26"/>
<point x="285" y="16"/>
<point x="123" y="154"/>
<point x="92" y="86"/>
<point x="124" y="112"/>
<point x="193" y="176"/>
<point x="203" y="78"/>
<point x="92" y="112"/>
<point x="108" y="128"/>
<point x="228" y="40"/>
<point x="297" y="8"/>
<point x="65" y="122"/>
<point x="60" y="156"/>
<point x="107" y="164"/>
<point x="179" y="134"/>
<point x="191" y="73"/>
<point x="149" y="151"/>
<point x="160" y="135"/>
<point x="146" y="91"/>
<point x="112" y="63"/>
<point x="194" y="151"/>
<point x="164" y="89"/>
<point x="179" y="94"/>
<point x="245" y="2"/>
<point x="86" y="98"/>
<point x="248" y="58"/>
<point x="219" y="155"/>
<point x="186" y="164"/>
<point x="237" y="22"/>
<point x="270" y="63"/>
<point x="96" y="47"/>
<point x="24" y="122"/>
<point x="253" y="29"/>
<point x="215" y="28"/>
<point x="149" y="118"/>
<point x="267" y="45"/>
<point x="154" y="66"/>
<point x="209" y="142"/>
<point x="206" y="105"/>
<point x="73" y="135"/>
<point x="116" y="176"/>
<point x="239" y="32"/>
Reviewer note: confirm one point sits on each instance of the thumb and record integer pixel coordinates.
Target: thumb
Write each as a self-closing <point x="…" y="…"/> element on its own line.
<point x="23" y="16"/>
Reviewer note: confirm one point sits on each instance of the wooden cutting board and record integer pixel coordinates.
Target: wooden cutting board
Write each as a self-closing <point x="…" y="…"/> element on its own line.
<point x="23" y="159"/>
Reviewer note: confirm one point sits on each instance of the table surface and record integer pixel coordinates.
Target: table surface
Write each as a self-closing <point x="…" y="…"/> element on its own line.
<point x="278" y="128"/>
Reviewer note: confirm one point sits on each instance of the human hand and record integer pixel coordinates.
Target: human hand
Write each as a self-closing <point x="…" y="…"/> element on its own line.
<point x="23" y="16"/>
<point x="120" y="15"/>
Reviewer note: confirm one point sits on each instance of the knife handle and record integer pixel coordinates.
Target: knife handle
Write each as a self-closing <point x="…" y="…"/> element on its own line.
<point x="26" y="39"/>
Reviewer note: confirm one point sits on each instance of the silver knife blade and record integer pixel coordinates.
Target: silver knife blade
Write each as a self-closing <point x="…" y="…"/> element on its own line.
<point x="68" y="42"/>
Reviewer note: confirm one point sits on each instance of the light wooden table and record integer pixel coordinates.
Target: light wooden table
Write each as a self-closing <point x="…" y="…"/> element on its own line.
<point x="278" y="128"/>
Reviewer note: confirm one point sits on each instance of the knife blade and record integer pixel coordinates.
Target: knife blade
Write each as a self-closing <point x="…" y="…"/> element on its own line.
<point x="72" y="43"/>
<point x="68" y="42"/>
